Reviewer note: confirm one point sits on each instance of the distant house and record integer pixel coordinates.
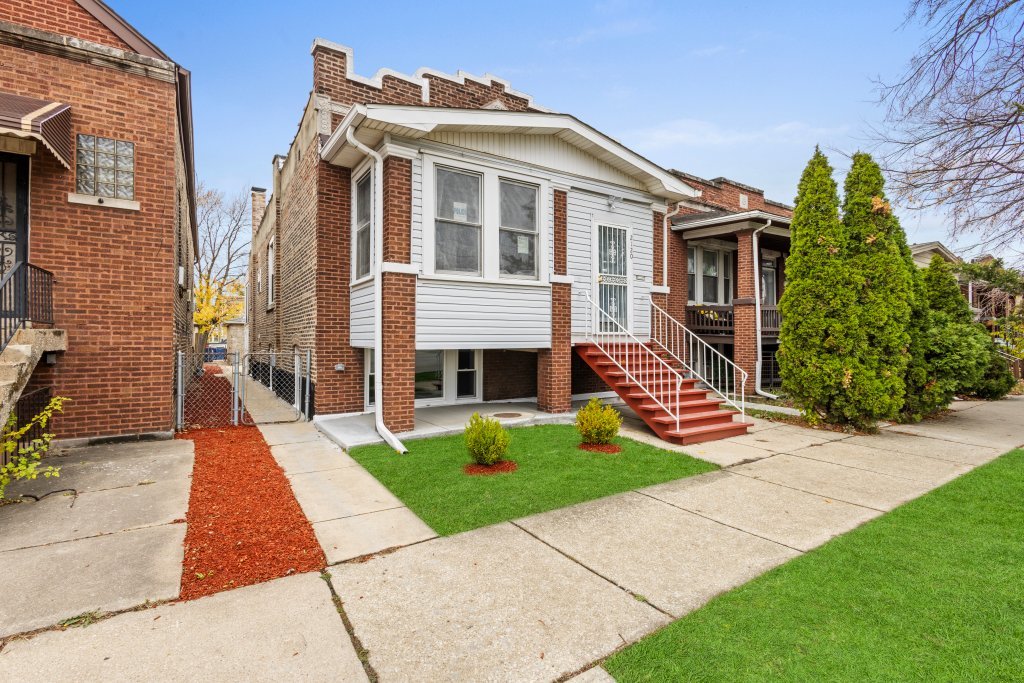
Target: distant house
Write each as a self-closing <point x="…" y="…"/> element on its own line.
<point x="988" y="303"/>
<point x="97" y="204"/>
<point x="443" y="239"/>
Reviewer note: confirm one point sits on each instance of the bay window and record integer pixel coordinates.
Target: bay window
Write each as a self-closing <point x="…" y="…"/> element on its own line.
<point x="710" y="275"/>
<point x="691" y="272"/>
<point x="363" y="226"/>
<point x="709" y="272"/>
<point x="517" y="234"/>
<point x="457" y="224"/>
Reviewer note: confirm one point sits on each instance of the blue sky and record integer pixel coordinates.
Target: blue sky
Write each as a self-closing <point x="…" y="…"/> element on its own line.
<point x="737" y="89"/>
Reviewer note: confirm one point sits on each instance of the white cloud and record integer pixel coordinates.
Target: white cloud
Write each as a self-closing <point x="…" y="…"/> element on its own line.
<point x="698" y="133"/>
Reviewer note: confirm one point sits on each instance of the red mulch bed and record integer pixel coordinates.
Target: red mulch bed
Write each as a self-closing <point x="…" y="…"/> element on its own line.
<point x="600" y="447"/>
<point x="244" y="524"/>
<point x="496" y="468"/>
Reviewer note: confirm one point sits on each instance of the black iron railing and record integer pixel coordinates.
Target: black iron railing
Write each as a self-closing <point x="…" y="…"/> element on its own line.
<point x="26" y="296"/>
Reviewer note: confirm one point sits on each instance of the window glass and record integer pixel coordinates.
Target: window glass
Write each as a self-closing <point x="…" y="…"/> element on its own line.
<point x="727" y="278"/>
<point x="710" y="276"/>
<point x="457" y="222"/>
<point x="104" y="167"/>
<point x="691" y="273"/>
<point x="364" y="241"/>
<point x="769" y="294"/>
<point x="465" y="381"/>
<point x="370" y="376"/>
<point x="429" y="374"/>
<point x="517" y="238"/>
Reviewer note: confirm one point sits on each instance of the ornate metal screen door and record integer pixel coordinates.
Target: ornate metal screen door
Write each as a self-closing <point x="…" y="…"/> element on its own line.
<point x="613" y="275"/>
<point x="13" y="211"/>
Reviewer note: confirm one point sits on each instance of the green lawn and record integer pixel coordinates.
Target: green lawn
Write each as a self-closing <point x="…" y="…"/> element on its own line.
<point x="933" y="591"/>
<point x="552" y="473"/>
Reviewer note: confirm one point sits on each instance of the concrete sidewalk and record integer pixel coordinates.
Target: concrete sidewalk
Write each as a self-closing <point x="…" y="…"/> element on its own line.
<point x="115" y="545"/>
<point x="539" y="598"/>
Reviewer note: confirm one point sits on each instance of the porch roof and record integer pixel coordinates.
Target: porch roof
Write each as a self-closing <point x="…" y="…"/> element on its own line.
<point x="374" y="121"/>
<point x="41" y="120"/>
<point x="726" y="222"/>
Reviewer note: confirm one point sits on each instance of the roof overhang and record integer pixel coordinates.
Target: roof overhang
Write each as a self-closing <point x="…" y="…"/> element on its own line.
<point x="41" y="120"/>
<point x="695" y="227"/>
<point x="938" y="248"/>
<point x="372" y="122"/>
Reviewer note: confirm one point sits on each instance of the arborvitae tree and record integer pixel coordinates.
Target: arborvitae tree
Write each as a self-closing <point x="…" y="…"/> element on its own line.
<point x="883" y="296"/>
<point x="923" y="394"/>
<point x="944" y="293"/>
<point x="820" y="341"/>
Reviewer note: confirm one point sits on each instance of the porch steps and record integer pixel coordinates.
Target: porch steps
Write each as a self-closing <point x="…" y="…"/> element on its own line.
<point x="701" y="417"/>
<point x="18" y="360"/>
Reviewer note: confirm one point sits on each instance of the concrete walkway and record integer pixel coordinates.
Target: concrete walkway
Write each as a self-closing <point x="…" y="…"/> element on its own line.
<point x="539" y="598"/>
<point x="115" y="545"/>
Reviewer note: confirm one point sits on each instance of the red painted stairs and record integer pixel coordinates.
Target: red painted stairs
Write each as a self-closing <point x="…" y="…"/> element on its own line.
<point x="700" y="416"/>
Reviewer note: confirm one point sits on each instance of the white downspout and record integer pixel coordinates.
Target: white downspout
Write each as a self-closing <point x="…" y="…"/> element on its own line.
<point x="757" y="309"/>
<point x="378" y="300"/>
<point x="664" y="241"/>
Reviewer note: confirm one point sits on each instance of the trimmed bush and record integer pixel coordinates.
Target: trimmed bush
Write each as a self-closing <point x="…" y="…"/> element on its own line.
<point x="486" y="440"/>
<point x="996" y="379"/>
<point x="598" y="423"/>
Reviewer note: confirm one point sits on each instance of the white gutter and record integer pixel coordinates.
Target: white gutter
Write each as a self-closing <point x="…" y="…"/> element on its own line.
<point x="757" y="309"/>
<point x="664" y="241"/>
<point x="378" y="300"/>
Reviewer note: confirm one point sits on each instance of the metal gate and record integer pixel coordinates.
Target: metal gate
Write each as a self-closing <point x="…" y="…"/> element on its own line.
<point x="255" y="388"/>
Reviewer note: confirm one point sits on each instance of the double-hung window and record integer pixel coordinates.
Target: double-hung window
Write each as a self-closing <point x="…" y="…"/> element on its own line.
<point x="691" y="273"/>
<point x="457" y="222"/>
<point x="271" y="262"/>
<point x="363" y="227"/>
<point x="517" y="234"/>
<point x="710" y="274"/>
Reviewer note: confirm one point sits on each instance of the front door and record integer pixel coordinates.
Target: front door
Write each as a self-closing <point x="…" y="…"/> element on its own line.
<point x="13" y="211"/>
<point x="613" y="276"/>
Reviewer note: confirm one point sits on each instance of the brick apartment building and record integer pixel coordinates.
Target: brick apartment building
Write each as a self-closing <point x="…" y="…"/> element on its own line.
<point x="489" y="249"/>
<point x="96" y="164"/>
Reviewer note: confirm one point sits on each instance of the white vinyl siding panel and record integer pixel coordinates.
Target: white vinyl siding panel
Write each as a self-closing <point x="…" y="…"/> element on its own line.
<point x="417" y="211"/>
<point x="583" y="209"/>
<point x="548" y="151"/>
<point x="361" y="315"/>
<point x="452" y="315"/>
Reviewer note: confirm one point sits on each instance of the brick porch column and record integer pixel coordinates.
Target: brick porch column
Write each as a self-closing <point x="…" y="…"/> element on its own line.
<point x="659" y="298"/>
<point x="745" y="349"/>
<point x="398" y="291"/>
<point x="554" y="365"/>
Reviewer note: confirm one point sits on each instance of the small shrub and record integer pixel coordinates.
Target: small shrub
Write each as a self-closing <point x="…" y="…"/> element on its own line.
<point x="486" y="440"/>
<point x="996" y="381"/>
<point x="598" y="423"/>
<point x="23" y="461"/>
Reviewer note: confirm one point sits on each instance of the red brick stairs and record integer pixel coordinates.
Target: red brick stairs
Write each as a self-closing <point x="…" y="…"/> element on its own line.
<point x="700" y="415"/>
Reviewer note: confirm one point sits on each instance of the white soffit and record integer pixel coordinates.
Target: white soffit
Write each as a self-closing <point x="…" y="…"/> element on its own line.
<point x="374" y="121"/>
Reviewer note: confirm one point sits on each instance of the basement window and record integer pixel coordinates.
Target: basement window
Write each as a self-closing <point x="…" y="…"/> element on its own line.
<point x="105" y="167"/>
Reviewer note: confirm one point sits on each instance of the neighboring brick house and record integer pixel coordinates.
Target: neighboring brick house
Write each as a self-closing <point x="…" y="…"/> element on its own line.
<point x="485" y="247"/>
<point x="96" y="137"/>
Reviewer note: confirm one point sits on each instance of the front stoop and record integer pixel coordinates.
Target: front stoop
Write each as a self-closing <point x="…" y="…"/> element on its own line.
<point x="701" y="416"/>
<point x="19" y="359"/>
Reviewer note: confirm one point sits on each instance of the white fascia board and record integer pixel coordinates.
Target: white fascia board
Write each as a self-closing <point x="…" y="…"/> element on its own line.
<point x="731" y="218"/>
<point x="427" y="119"/>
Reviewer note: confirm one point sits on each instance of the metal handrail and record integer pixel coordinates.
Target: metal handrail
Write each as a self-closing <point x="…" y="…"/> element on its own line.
<point x="641" y="365"/>
<point x="26" y="295"/>
<point x="700" y="359"/>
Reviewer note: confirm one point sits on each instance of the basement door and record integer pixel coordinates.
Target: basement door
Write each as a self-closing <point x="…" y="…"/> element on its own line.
<point x="613" y="276"/>
<point x="13" y="211"/>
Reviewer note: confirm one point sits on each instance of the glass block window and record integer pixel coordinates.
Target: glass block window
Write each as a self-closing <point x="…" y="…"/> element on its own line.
<point x="105" y="167"/>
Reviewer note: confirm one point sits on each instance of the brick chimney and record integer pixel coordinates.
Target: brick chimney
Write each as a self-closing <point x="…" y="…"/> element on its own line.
<point x="259" y="205"/>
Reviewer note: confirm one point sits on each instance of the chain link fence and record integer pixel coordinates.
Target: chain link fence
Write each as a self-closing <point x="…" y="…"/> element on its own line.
<point x="255" y="388"/>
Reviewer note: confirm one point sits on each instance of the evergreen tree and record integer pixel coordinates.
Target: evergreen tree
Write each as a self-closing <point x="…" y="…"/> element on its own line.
<point x="883" y="293"/>
<point x="944" y="293"/>
<point x="923" y="394"/>
<point x="820" y="341"/>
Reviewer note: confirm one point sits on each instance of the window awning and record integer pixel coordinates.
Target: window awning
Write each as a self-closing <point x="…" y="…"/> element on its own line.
<point x="42" y="120"/>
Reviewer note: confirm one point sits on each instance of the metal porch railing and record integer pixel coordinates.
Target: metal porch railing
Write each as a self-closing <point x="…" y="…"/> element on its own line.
<point x="642" y="366"/>
<point x="26" y="296"/>
<point x="700" y="359"/>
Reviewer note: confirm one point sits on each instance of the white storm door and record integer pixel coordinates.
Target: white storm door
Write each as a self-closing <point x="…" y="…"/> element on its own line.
<point x="613" y="277"/>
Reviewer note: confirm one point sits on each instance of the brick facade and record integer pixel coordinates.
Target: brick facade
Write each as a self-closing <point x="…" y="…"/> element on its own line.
<point x="554" y="365"/>
<point x="509" y="374"/>
<point x="398" y="291"/>
<point x="117" y="293"/>
<point x="745" y="351"/>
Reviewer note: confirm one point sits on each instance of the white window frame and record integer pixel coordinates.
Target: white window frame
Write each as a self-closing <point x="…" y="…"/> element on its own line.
<point x="519" y="231"/>
<point x="451" y="387"/>
<point x="363" y="170"/>
<point x="726" y="259"/>
<point x="271" y="266"/>
<point x="490" y="207"/>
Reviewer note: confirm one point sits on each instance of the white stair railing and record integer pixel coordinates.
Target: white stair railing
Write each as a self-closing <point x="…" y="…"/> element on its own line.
<point x="700" y="359"/>
<point x="642" y="366"/>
